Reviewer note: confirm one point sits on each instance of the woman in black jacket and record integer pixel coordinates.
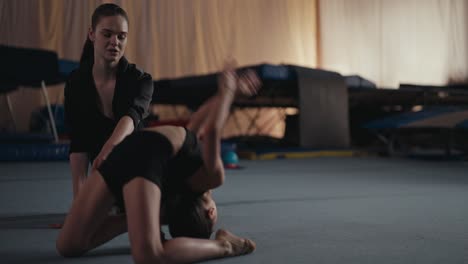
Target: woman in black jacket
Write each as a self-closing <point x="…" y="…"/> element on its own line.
<point x="106" y="98"/>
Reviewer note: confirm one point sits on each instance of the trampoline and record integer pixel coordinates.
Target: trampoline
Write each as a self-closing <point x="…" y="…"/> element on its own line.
<point x="436" y="126"/>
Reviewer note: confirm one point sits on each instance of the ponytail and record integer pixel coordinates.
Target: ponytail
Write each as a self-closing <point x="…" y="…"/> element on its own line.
<point x="88" y="52"/>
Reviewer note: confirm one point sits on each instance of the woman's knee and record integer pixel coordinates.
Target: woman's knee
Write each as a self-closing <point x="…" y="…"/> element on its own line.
<point x="147" y="253"/>
<point x="69" y="247"/>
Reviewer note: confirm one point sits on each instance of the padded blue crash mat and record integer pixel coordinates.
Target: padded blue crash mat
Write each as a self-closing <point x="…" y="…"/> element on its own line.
<point x="33" y="152"/>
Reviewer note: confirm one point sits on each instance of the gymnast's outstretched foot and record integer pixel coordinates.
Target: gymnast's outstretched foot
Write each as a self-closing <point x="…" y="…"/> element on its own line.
<point x="237" y="245"/>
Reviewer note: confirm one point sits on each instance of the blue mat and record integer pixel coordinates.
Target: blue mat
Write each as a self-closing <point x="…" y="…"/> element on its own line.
<point x="407" y="118"/>
<point x="67" y="66"/>
<point x="13" y="138"/>
<point x="33" y="152"/>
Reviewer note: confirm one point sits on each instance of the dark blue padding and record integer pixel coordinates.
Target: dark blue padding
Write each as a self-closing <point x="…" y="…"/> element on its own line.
<point x="463" y="125"/>
<point x="34" y="152"/>
<point x="14" y="138"/>
<point x="67" y="66"/>
<point x="28" y="67"/>
<point x="275" y="72"/>
<point x="399" y="120"/>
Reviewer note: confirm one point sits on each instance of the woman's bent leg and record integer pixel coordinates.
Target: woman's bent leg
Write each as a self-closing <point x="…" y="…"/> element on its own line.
<point x="85" y="226"/>
<point x="142" y="202"/>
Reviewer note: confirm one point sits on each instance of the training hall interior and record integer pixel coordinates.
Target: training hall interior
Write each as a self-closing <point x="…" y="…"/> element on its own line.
<point x="354" y="149"/>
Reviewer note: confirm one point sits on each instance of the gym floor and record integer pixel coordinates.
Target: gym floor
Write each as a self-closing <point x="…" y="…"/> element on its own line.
<point x="321" y="210"/>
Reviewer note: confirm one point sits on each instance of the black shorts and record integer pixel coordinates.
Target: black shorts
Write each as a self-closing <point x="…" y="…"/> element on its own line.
<point x="141" y="154"/>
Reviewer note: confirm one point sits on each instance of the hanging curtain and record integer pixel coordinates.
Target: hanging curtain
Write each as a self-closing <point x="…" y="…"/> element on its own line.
<point x="397" y="41"/>
<point x="177" y="37"/>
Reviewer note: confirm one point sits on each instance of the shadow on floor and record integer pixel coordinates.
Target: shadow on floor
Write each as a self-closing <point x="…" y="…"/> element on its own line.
<point x="51" y="256"/>
<point x="39" y="221"/>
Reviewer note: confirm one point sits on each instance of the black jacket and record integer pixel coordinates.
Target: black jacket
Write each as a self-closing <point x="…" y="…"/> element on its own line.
<point x="88" y="128"/>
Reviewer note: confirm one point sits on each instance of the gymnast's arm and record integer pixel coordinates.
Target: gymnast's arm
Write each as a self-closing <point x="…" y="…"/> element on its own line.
<point x="208" y="124"/>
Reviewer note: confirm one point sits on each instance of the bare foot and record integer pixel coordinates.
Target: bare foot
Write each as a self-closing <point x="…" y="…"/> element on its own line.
<point x="238" y="245"/>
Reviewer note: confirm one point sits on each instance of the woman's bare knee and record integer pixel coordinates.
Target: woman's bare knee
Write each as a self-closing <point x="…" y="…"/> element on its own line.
<point x="143" y="253"/>
<point x="70" y="243"/>
<point x="69" y="248"/>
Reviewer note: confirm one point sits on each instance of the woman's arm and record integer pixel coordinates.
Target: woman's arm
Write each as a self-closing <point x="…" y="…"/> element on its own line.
<point x="212" y="173"/>
<point x="124" y="128"/>
<point x="138" y="110"/>
<point x="209" y="121"/>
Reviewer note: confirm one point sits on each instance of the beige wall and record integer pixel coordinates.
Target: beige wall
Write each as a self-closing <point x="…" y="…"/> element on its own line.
<point x="396" y="41"/>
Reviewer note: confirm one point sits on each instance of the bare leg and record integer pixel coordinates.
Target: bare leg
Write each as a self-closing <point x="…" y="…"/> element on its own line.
<point x="225" y="244"/>
<point x="142" y="202"/>
<point x="88" y="225"/>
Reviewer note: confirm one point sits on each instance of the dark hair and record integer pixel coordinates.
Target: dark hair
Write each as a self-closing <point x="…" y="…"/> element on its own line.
<point x="103" y="10"/>
<point x="187" y="217"/>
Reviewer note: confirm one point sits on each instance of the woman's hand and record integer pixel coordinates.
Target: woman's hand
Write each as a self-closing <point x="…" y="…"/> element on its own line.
<point x="227" y="80"/>
<point x="123" y="128"/>
<point x="248" y="83"/>
<point x="102" y="156"/>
